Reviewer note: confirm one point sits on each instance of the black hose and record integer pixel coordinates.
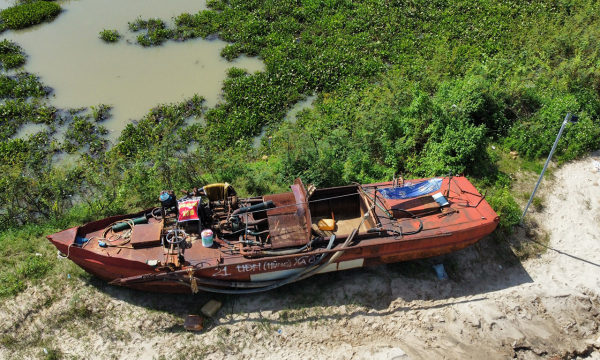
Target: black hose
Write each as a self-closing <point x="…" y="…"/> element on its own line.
<point x="279" y="284"/>
<point x="257" y="207"/>
<point x="400" y="232"/>
<point x="287" y="252"/>
<point x="414" y="217"/>
<point x="380" y="229"/>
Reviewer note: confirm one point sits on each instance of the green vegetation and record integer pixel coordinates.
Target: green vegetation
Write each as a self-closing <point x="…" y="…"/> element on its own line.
<point x="490" y="52"/>
<point x="17" y="112"/>
<point x="21" y="86"/>
<point x="110" y="35"/>
<point x="14" y="113"/>
<point x="417" y="87"/>
<point x="29" y="14"/>
<point x="83" y="132"/>
<point x="11" y="55"/>
<point x="157" y="32"/>
<point x="100" y="112"/>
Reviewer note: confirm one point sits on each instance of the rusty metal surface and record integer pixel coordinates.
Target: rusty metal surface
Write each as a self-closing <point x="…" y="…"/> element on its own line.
<point x="301" y="198"/>
<point x="442" y="233"/>
<point x="286" y="226"/>
<point x="193" y="323"/>
<point x="417" y="206"/>
<point x="144" y="235"/>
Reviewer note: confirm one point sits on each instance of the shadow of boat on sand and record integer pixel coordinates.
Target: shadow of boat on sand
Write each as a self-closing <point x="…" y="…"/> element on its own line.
<point x="485" y="267"/>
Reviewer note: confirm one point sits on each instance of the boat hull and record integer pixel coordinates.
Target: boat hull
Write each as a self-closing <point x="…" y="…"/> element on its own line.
<point x="378" y="252"/>
<point x="444" y="232"/>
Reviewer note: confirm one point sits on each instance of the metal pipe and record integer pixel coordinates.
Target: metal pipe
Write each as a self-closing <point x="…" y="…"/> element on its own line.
<point x="567" y="118"/>
<point x="253" y="208"/>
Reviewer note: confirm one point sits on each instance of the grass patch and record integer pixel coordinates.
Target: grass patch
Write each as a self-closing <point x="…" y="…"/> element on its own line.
<point x="22" y="265"/>
<point x="22" y="16"/>
<point x="110" y="36"/>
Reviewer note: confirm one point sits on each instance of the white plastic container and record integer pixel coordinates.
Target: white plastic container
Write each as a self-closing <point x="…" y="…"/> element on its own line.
<point x="207" y="238"/>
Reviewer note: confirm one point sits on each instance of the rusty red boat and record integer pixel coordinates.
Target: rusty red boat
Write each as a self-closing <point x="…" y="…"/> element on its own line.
<point x="212" y="240"/>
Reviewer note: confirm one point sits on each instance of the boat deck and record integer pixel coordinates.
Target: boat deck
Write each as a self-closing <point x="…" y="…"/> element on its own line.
<point x="465" y="220"/>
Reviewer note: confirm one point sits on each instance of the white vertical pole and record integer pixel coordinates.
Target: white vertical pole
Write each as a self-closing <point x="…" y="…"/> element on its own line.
<point x="567" y="118"/>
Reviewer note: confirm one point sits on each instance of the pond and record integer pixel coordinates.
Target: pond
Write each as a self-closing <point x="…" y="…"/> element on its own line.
<point x="68" y="56"/>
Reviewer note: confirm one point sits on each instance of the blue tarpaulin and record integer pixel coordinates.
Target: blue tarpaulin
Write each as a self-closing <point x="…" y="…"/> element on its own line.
<point x="410" y="191"/>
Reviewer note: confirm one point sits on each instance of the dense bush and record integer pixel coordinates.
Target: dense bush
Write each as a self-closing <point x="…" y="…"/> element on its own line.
<point x="22" y="16"/>
<point x="506" y="207"/>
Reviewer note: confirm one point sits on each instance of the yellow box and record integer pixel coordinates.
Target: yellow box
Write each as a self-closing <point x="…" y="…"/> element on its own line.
<point x="326" y="224"/>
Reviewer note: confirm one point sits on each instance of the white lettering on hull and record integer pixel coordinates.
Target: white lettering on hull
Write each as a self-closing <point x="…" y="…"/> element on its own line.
<point x="282" y="274"/>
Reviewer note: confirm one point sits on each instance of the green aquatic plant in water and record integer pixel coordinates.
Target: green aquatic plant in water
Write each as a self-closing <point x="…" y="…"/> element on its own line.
<point x="156" y="34"/>
<point x="110" y="36"/>
<point x="17" y="109"/>
<point x="100" y="112"/>
<point x="15" y="113"/>
<point x="22" y="16"/>
<point x="81" y="133"/>
<point x="11" y="55"/>
<point x="324" y="46"/>
<point x="22" y="86"/>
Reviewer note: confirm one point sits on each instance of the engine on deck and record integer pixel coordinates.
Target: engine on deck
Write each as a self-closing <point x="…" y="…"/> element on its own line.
<point x="218" y="208"/>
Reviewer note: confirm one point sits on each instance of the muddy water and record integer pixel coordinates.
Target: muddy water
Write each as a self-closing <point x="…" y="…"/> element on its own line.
<point x="84" y="71"/>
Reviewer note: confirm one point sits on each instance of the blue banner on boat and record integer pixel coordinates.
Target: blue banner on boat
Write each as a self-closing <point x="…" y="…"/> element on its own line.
<point x="410" y="191"/>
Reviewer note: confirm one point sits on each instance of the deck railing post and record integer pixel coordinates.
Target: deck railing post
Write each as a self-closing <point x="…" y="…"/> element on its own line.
<point x="567" y="118"/>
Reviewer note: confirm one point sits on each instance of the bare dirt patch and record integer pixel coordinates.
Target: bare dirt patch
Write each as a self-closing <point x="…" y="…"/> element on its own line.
<point x="494" y="306"/>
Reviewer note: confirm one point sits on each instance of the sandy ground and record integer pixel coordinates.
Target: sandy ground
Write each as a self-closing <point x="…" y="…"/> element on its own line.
<point x="492" y="307"/>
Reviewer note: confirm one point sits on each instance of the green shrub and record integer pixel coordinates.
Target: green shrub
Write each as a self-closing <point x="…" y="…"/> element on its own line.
<point x="110" y="35"/>
<point x="535" y="138"/>
<point x="22" y="16"/>
<point x="506" y="207"/>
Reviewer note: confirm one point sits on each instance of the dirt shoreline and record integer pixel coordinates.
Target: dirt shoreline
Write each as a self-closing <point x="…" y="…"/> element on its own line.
<point x="493" y="306"/>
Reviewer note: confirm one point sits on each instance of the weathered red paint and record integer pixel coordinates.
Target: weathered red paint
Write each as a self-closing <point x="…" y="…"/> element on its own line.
<point x="442" y="233"/>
